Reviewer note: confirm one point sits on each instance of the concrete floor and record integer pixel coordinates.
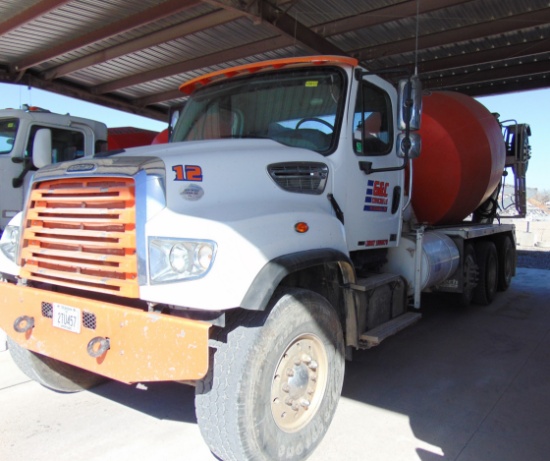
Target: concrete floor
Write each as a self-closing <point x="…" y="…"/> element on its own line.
<point x="462" y="384"/>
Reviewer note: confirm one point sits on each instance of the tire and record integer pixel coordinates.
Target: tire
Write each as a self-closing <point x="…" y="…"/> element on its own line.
<point x="274" y="381"/>
<point x="506" y="263"/>
<point x="488" y="273"/>
<point x="469" y="275"/>
<point x="51" y="373"/>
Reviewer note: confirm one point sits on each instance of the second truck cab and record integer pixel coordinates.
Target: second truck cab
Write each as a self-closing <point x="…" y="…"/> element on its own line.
<point x="33" y="137"/>
<point x="71" y="138"/>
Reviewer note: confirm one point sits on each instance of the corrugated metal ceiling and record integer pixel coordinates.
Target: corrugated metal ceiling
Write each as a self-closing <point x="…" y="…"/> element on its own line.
<point x="133" y="55"/>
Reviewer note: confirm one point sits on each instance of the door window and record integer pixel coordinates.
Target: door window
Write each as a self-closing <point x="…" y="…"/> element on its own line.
<point x="8" y="131"/>
<point x="66" y="144"/>
<point x="372" y="124"/>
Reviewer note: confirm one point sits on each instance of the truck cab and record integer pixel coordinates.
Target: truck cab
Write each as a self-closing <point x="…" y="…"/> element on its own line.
<point x="69" y="138"/>
<point x="274" y="234"/>
<point x="342" y="122"/>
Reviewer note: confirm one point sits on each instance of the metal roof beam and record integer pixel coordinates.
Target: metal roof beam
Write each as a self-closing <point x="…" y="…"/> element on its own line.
<point x="390" y="13"/>
<point x="27" y="15"/>
<point x="248" y="8"/>
<point x="159" y="97"/>
<point x="475" y="31"/>
<point x="286" y="24"/>
<point x="75" y="91"/>
<point x="261" y="46"/>
<point x="520" y="50"/>
<point x="147" y="41"/>
<point x="474" y="77"/>
<point x="536" y="82"/>
<point x="487" y="56"/>
<point x="265" y="13"/>
<point x="148" y="16"/>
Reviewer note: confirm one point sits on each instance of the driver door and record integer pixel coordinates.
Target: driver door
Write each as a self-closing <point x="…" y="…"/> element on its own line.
<point x="374" y="191"/>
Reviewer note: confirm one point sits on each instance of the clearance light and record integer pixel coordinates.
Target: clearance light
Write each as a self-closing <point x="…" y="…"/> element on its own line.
<point x="301" y="227"/>
<point x="28" y="108"/>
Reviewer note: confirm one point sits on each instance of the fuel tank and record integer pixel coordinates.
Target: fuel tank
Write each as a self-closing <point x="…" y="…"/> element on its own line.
<point x="440" y="258"/>
<point x="461" y="161"/>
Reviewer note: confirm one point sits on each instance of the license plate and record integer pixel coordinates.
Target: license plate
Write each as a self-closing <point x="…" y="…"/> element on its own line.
<point x="67" y="317"/>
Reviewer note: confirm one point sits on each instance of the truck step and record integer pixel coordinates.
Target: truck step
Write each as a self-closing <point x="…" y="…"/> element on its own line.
<point x="377" y="335"/>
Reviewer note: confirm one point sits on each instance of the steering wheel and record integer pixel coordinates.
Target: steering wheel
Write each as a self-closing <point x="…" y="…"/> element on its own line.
<point x="315" y="119"/>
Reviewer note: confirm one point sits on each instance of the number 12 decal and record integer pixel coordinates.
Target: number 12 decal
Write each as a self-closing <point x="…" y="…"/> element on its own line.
<point x="187" y="173"/>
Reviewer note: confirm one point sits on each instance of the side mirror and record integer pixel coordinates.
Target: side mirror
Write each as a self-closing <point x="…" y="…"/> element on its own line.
<point x="42" y="148"/>
<point x="409" y="103"/>
<point x="173" y="119"/>
<point x="409" y="146"/>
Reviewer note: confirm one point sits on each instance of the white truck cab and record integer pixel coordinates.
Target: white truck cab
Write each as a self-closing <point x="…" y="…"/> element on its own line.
<point x="64" y="137"/>
<point x="252" y="254"/>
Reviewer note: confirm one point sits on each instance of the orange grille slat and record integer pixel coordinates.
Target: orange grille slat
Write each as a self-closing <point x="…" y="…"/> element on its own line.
<point x="93" y="193"/>
<point x="83" y="259"/>
<point x="76" y="275"/>
<point x="66" y="219"/>
<point x="42" y="212"/>
<point x="81" y="234"/>
<point x="69" y="264"/>
<point x="80" y="285"/>
<point x="109" y="242"/>
<point x="59" y="234"/>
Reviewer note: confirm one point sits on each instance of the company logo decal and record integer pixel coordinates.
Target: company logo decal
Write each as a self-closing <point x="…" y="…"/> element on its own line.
<point x="192" y="193"/>
<point x="187" y="173"/>
<point x="376" y="198"/>
<point x="81" y="167"/>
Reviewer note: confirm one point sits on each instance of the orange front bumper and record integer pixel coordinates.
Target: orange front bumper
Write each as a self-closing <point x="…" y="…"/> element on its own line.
<point x="144" y="346"/>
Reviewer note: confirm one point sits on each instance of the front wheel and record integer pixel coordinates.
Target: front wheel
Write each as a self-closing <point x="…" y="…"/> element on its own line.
<point x="51" y="373"/>
<point x="275" y="380"/>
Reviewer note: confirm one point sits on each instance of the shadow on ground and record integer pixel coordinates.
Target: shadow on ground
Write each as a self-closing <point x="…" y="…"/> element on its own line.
<point x="162" y="400"/>
<point x="473" y="382"/>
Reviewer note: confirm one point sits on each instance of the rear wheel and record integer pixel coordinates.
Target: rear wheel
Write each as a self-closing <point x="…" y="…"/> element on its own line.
<point x="469" y="276"/>
<point x="51" y="373"/>
<point x="275" y="380"/>
<point x="488" y="273"/>
<point x="506" y="263"/>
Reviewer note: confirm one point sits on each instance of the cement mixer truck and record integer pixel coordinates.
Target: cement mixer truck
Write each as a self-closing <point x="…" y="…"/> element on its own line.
<point x="298" y="213"/>
<point x="70" y="137"/>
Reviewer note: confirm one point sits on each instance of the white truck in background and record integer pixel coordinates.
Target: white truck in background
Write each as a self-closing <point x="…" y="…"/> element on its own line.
<point x="292" y="218"/>
<point x="70" y="137"/>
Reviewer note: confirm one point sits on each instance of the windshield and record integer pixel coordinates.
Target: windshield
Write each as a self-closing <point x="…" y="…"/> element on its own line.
<point x="300" y="107"/>
<point x="8" y="130"/>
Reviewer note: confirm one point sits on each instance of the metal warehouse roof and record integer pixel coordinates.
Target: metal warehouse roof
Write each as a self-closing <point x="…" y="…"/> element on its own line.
<point x="133" y="55"/>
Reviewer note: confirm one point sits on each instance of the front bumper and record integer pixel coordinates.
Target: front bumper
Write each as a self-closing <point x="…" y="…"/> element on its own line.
<point x="144" y="346"/>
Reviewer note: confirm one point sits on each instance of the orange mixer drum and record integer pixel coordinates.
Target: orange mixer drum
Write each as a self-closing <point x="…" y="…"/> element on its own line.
<point x="462" y="159"/>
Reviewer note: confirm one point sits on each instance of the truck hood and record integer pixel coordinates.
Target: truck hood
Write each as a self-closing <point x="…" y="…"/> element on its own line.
<point x="215" y="179"/>
<point x="224" y="177"/>
<point x="224" y="192"/>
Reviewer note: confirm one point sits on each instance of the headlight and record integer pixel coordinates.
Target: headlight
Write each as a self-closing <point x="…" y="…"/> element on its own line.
<point x="9" y="244"/>
<point x="173" y="260"/>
